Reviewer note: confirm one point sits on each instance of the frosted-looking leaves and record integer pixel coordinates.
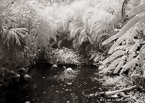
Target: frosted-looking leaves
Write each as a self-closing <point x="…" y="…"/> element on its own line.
<point x="121" y="47"/>
<point x="131" y="55"/>
<point x="132" y="22"/>
<point x="130" y="64"/>
<point x="140" y="8"/>
<point x="118" y="67"/>
<point x="142" y="55"/>
<point x="129" y="40"/>
<point x="118" y="42"/>
<point x="114" y="56"/>
<point x="111" y="66"/>
<point x="134" y="47"/>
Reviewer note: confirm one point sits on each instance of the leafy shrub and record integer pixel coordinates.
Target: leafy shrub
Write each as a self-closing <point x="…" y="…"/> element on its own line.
<point x="79" y="20"/>
<point x="63" y="56"/>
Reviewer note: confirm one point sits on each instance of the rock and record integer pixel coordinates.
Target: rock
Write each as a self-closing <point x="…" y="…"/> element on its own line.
<point x="68" y="102"/>
<point x="27" y="102"/>
<point x="54" y="66"/>
<point x="27" y="77"/>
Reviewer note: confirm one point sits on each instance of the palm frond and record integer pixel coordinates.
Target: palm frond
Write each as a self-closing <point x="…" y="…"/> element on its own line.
<point x="14" y="38"/>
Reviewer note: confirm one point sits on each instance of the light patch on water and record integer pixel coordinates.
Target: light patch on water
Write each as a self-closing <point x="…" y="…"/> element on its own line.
<point x="68" y="78"/>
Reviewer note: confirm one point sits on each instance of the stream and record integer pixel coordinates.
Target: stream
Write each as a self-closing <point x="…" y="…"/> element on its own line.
<point x="50" y="87"/>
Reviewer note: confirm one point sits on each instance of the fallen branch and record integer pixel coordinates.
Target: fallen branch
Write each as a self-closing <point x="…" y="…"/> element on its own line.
<point x="110" y="93"/>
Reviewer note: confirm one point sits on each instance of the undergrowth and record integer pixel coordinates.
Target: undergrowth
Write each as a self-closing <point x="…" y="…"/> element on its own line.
<point x="60" y="56"/>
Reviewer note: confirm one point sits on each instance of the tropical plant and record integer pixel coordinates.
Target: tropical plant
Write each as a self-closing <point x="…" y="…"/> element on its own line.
<point x="127" y="51"/>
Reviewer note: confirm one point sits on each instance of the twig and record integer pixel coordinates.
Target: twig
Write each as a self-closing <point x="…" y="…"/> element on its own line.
<point x="108" y="93"/>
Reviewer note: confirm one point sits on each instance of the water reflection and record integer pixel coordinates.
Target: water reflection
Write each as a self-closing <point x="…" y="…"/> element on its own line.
<point x="49" y="88"/>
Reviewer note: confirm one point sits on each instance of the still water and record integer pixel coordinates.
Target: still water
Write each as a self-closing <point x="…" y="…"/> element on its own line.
<point x="51" y="87"/>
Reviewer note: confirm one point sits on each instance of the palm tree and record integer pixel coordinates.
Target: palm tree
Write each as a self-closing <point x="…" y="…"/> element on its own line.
<point x="13" y="39"/>
<point x="13" y="45"/>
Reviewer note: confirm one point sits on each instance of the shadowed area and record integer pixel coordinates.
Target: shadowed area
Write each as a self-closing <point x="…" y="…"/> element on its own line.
<point x="48" y="87"/>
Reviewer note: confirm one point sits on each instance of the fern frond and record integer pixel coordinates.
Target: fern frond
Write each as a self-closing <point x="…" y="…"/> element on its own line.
<point x="140" y="8"/>
<point x="114" y="56"/>
<point x="119" y="66"/>
<point x="134" y="47"/>
<point x="134" y="32"/>
<point x="112" y="66"/>
<point x="117" y="43"/>
<point x="142" y="55"/>
<point x="131" y="56"/>
<point x="132" y="22"/>
<point x="142" y="2"/>
<point x="121" y="47"/>
<point x="130" y="64"/>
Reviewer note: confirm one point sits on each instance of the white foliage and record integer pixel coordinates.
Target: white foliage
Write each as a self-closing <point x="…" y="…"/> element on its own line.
<point x="118" y="67"/>
<point x="134" y="47"/>
<point x="113" y="56"/>
<point x="112" y="66"/>
<point x="129" y="39"/>
<point x="130" y="64"/>
<point x="94" y="16"/>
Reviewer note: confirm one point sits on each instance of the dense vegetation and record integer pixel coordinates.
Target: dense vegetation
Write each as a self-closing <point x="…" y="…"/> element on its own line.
<point x="110" y="34"/>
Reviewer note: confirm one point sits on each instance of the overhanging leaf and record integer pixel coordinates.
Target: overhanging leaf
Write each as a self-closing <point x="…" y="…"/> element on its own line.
<point x="130" y="64"/>
<point x="118" y="67"/>
<point x="142" y="55"/>
<point x="119" y="41"/>
<point x="132" y="22"/>
<point x="113" y="56"/>
<point x="111" y="66"/>
<point x="134" y="47"/>
<point x="140" y="8"/>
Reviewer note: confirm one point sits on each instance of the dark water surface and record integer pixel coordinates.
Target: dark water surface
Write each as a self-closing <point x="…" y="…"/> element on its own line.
<point x="50" y="87"/>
